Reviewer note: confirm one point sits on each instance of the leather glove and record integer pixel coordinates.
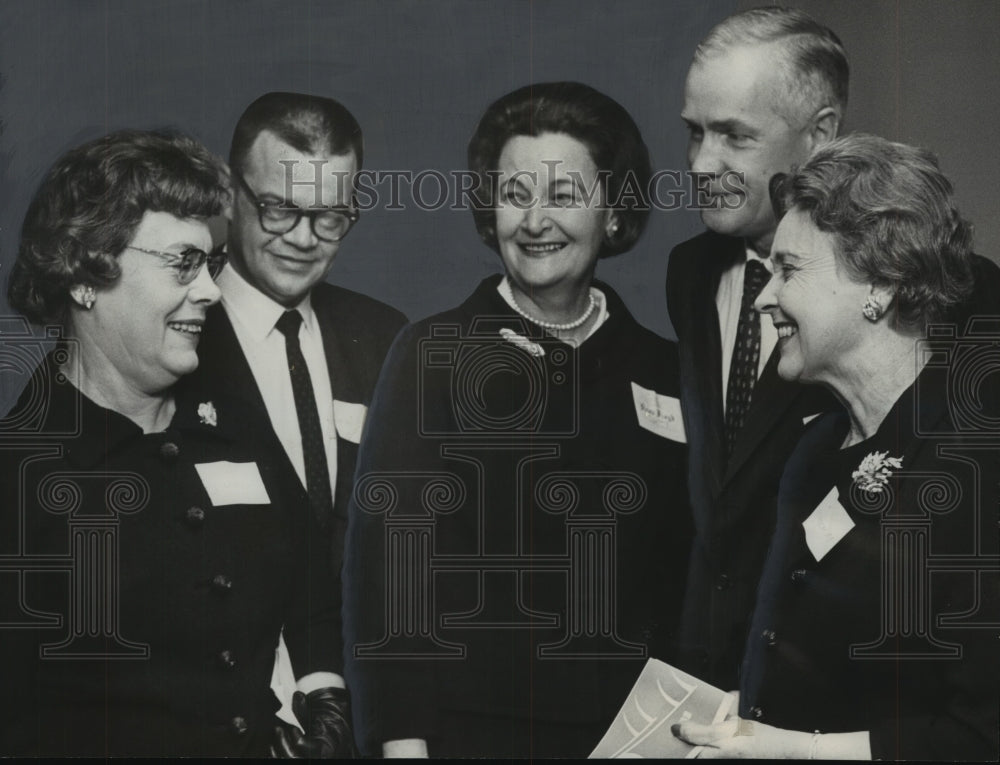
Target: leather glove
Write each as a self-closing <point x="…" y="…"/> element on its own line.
<point x="325" y="716"/>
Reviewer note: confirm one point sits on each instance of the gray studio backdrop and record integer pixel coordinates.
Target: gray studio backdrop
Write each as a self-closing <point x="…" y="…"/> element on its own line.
<point x="418" y="73"/>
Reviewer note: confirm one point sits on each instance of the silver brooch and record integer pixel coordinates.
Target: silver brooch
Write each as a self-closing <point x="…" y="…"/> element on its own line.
<point x="522" y="342"/>
<point x="874" y="471"/>
<point x="207" y="415"/>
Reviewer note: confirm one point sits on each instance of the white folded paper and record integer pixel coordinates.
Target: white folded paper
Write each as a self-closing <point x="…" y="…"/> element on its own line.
<point x="661" y="697"/>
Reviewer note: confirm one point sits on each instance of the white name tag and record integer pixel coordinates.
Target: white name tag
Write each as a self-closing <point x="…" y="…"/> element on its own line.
<point x="233" y="483"/>
<point x="659" y="414"/>
<point x="350" y="420"/>
<point x="827" y="525"/>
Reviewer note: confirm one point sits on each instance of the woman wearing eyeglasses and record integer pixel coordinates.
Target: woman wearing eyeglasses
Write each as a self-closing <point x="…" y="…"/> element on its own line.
<point x="153" y="532"/>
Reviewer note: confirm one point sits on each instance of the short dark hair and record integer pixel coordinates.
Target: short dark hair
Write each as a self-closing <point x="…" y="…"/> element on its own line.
<point x="307" y="123"/>
<point x="599" y="122"/>
<point x="814" y="67"/>
<point x="90" y="203"/>
<point x="893" y="215"/>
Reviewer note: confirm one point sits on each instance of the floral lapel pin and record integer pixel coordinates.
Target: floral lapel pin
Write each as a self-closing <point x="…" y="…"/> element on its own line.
<point x="522" y="342"/>
<point x="207" y="414"/>
<point x="874" y="471"/>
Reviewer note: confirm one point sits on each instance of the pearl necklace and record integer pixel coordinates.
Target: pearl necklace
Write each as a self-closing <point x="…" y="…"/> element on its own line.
<point x="551" y="325"/>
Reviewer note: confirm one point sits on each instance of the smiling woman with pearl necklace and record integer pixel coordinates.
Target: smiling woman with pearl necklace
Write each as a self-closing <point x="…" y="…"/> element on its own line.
<point x="561" y="396"/>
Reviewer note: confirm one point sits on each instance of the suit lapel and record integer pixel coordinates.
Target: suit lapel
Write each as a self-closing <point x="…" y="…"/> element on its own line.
<point x="772" y="397"/>
<point x="335" y="361"/>
<point x="703" y="384"/>
<point x="339" y="369"/>
<point x="221" y="359"/>
<point x="708" y="357"/>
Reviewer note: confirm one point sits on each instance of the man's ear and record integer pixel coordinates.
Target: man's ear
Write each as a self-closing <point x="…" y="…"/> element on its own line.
<point x="823" y="127"/>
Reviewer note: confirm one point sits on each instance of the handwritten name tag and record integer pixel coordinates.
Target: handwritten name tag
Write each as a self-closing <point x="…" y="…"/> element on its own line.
<point x="233" y="483"/>
<point x="349" y="419"/>
<point x="827" y="525"/>
<point x="659" y="414"/>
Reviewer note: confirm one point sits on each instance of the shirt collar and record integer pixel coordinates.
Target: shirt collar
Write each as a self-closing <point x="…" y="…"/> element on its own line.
<point x="254" y="310"/>
<point x="752" y="255"/>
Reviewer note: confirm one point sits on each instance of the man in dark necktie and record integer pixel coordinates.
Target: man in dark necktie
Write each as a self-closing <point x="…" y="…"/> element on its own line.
<point x="305" y="353"/>
<point x="765" y="88"/>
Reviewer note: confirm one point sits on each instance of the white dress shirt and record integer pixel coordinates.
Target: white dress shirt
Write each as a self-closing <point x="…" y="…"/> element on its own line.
<point x="253" y="315"/>
<point x="728" y="300"/>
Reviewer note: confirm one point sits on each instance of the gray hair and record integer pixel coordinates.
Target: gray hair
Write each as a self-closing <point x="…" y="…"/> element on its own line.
<point x="814" y="65"/>
<point x="892" y="213"/>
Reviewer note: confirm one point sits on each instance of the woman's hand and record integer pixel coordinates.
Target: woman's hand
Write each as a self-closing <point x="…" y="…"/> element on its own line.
<point x="736" y="739"/>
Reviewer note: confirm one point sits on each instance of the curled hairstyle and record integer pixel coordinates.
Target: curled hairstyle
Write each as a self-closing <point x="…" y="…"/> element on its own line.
<point x="90" y="203"/>
<point x="309" y="124"/>
<point x="598" y="122"/>
<point x="893" y="216"/>
<point x="814" y="67"/>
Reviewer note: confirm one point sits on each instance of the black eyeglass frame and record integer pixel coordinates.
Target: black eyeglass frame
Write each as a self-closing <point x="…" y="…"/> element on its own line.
<point x="188" y="271"/>
<point x="349" y="212"/>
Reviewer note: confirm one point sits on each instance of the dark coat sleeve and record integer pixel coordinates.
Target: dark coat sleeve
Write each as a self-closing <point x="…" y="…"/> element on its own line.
<point x="410" y="662"/>
<point x="392" y="695"/>
<point x="312" y="619"/>
<point x="676" y="282"/>
<point x="893" y="631"/>
<point x="949" y="708"/>
<point x="964" y="725"/>
<point x="357" y="334"/>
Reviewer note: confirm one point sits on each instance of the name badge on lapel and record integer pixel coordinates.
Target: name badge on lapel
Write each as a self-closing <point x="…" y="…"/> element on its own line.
<point x="233" y="483"/>
<point x="659" y="414"/>
<point x="349" y="420"/>
<point x="827" y="525"/>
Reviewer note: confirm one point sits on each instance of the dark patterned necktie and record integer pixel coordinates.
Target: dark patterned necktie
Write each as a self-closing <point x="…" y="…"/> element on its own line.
<point x="746" y="353"/>
<point x="313" y="453"/>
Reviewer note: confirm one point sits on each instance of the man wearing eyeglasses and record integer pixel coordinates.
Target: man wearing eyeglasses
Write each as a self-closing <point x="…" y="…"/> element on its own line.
<point x="306" y="353"/>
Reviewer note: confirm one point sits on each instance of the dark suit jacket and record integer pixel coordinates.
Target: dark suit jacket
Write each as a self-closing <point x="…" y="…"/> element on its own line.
<point x="985" y="298"/>
<point x="149" y="608"/>
<point x="733" y="501"/>
<point x="501" y="671"/>
<point x="357" y="332"/>
<point x="894" y="629"/>
<point x="734" y="504"/>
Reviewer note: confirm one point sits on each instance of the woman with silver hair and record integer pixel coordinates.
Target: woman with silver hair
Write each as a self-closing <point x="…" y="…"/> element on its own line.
<point x="874" y="633"/>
